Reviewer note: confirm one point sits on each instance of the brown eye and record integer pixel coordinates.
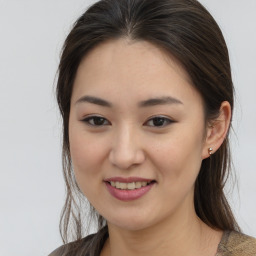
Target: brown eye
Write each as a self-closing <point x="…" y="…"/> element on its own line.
<point x="159" y="121"/>
<point x="96" y="121"/>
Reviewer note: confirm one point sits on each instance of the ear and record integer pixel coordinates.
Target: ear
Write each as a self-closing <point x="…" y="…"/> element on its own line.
<point x="216" y="130"/>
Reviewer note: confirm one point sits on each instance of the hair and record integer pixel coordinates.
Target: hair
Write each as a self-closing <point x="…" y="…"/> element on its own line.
<point x="186" y="30"/>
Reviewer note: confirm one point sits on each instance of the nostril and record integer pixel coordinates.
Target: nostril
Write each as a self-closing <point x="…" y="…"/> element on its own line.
<point x="126" y="156"/>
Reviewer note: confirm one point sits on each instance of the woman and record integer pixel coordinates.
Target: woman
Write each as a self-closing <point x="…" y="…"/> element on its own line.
<point x="146" y="96"/>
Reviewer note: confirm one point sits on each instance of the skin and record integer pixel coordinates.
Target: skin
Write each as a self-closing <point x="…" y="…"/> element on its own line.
<point x="125" y="139"/>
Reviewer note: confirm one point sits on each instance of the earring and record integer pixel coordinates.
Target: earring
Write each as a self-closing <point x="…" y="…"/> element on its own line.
<point x="210" y="151"/>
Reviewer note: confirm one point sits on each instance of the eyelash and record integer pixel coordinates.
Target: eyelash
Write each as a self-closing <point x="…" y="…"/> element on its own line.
<point x="164" y="121"/>
<point x="96" y="118"/>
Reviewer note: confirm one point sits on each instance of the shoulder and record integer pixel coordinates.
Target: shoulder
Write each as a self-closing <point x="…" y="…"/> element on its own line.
<point x="90" y="245"/>
<point x="71" y="248"/>
<point x="236" y="244"/>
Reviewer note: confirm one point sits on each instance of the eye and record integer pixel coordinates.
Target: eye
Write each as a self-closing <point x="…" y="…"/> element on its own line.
<point x="159" y="121"/>
<point x="96" y="121"/>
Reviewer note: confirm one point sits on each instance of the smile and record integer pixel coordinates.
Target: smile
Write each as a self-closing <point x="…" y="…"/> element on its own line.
<point x="127" y="189"/>
<point x="129" y="186"/>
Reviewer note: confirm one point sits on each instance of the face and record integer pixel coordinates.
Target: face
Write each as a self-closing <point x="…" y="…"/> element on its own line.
<point x="136" y="133"/>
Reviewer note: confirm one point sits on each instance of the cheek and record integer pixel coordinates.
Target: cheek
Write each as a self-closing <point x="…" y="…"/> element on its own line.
<point x="179" y="157"/>
<point x="87" y="156"/>
<point x="83" y="155"/>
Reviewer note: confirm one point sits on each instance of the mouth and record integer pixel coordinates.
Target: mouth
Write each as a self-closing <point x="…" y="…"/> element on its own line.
<point x="128" y="189"/>
<point x="129" y="185"/>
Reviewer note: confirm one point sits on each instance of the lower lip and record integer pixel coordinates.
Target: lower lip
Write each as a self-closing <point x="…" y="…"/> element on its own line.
<point x="126" y="194"/>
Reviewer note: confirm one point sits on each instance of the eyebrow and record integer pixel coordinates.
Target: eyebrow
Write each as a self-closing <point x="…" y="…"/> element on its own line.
<point x="94" y="100"/>
<point x="159" y="101"/>
<point x="145" y="103"/>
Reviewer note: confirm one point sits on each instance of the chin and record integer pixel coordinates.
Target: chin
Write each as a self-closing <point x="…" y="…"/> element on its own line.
<point x="129" y="226"/>
<point x="131" y="223"/>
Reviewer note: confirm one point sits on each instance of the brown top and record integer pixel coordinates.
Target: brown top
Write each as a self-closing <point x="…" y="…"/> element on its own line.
<point x="236" y="244"/>
<point x="232" y="244"/>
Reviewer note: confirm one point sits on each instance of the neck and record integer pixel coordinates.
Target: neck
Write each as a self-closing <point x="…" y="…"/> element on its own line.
<point x="179" y="236"/>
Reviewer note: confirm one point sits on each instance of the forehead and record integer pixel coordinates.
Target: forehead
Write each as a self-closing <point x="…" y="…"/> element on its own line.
<point x="130" y="68"/>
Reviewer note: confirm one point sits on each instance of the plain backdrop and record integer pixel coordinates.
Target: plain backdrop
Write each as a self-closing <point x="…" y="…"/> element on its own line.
<point x="31" y="184"/>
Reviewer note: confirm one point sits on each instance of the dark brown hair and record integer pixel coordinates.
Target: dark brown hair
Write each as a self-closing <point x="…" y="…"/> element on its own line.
<point x="186" y="30"/>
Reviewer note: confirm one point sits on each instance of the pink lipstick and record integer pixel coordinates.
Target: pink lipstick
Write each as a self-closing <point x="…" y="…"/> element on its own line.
<point x="127" y="189"/>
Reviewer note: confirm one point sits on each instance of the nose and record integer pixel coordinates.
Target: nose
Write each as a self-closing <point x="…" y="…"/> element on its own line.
<point x="127" y="149"/>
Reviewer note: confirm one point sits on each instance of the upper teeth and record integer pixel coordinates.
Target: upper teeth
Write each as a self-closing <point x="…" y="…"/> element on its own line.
<point x="132" y="185"/>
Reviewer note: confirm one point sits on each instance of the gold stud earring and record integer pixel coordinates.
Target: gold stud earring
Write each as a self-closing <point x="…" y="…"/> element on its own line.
<point x="210" y="151"/>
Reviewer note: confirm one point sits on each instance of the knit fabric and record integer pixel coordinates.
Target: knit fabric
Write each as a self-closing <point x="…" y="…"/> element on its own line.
<point x="236" y="244"/>
<point x="232" y="244"/>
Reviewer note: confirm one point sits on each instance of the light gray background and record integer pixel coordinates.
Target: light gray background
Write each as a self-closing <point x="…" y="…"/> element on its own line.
<point x="31" y="184"/>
